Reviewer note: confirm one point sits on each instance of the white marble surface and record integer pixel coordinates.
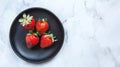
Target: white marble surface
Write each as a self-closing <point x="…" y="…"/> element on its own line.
<point x="92" y="32"/>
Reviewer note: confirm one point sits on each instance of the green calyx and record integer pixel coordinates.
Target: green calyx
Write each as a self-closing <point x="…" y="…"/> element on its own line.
<point x="51" y="36"/>
<point x="42" y="20"/>
<point x="31" y="32"/>
<point x="26" y="19"/>
<point x="37" y="33"/>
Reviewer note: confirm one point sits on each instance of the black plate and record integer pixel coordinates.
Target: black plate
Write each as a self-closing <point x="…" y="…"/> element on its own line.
<point x="36" y="54"/>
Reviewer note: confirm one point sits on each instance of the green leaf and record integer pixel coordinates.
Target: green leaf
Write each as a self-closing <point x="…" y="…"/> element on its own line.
<point x="30" y="31"/>
<point x="38" y="34"/>
<point x="20" y="20"/>
<point x="30" y="18"/>
<point x="24" y="15"/>
<point x="26" y="22"/>
<point x="46" y="19"/>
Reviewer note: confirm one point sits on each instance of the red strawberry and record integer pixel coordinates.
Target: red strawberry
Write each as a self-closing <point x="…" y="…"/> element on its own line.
<point x="47" y="40"/>
<point x="28" y="22"/>
<point x="42" y="26"/>
<point x="31" y="40"/>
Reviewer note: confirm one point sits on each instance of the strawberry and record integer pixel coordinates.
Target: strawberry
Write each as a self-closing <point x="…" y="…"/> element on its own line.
<point x="47" y="40"/>
<point x="28" y="22"/>
<point x="42" y="26"/>
<point x="31" y="40"/>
